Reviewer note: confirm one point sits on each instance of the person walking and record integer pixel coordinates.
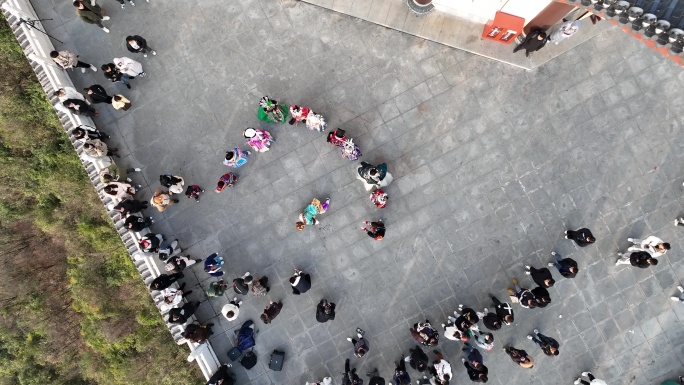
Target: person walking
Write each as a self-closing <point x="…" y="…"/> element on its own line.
<point x="232" y="309"/>
<point x="164" y="281"/>
<point x="308" y="217"/>
<point x="373" y="177"/>
<point x="90" y="12"/>
<point x="582" y="237"/>
<point x="547" y="344"/>
<point x="137" y="223"/>
<point x="417" y="359"/>
<point x="271" y="311"/>
<point x="236" y="158"/>
<point x="350" y="376"/>
<point x="198" y="333"/>
<point x="130" y="67"/>
<point x="592" y="380"/>
<point x="137" y="44"/>
<point x="112" y="73"/>
<point x="300" y="282"/>
<point x="424" y="333"/>
<point x="67" y="60"/>
<point x="213" y="264"/>
<point x="541" y="296"/>
<point x="361" y="345"/>
<point x="680" y="297"/>
<point x="441" y="369"/>
<point x="654" y="245"/>
<point x="259" y="140"/>
<point x="567" y="267"/>
<point x="120" y="102"/>
<point x="520" y="357"/>
<point x="640" y="259"/>
<point x="503" y="310"/>
<point x="490" y="320"/>
<point x="181" y="315"/>
<point x="217" y="288"/>
<point x="161" y="200"/>
<point x="474" y="364"/>
<point x="401" y="376"/>
<point x="523" y="295"/>
<point x="375" y="230"/>
<point x="533" y="42"/>
<point x="98" y="94"/>
<point x="325" y="311"/>
<point x="542" y="277"/>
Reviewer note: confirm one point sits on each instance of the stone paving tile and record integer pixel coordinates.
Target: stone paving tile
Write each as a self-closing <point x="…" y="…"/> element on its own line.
<point x="491" y="164"/>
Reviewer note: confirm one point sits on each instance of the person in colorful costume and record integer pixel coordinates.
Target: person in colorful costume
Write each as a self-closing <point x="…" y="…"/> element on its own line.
<point x="270" y="111"/>
<point x="236" y="158"/>
<point x="259" y="140"/>
<point x="308" y="217"/>
<point x="339" y="139"/>
<point x="379" y="198"/>
<point x="226" y="180"/>
<point x="374" y="176"/>
<point x="314" y="121"/>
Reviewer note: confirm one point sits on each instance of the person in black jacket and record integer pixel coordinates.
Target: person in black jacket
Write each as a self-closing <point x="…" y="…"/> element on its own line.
<point x="503" y="310"/>
<point x="222" y="376"/>
<point x="178" y="263"/>
<point x="490" y="320"/>
<point x="640" y="259"/>
<point x="150" y="242"/>
<point x="542" y="277"/>
<point x="79" y="107"/>
<point x="474" y="364"/>
<point x="137" y="223"/>
<point x="300" y="282"/>
<point x="541" y="296"/>
<point x="325" y="311"/>
<point x="582" y="237"/>
<point x="401" y="376"/>
<point x="98" y="94"/>
<point x="129" y="206"/>
<point x="548" y="345"/>
<point x="137" y="44"/>
<point x="271" y="311"/>
<point x="241" y="284"/>
<point x="375" y="378"/>
<point x="350" y="376"/>
<point x="165" y="280"/>
<point x="524" y="295"/>
<point x="181" y="315"/>
<point x="418" y="360"/>
<point x="113" y="74"/>
<point x="567" y="267"/>
<point x="535" y="41"/>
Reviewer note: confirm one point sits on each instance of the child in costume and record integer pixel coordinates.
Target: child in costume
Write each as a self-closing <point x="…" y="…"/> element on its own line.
<point x="339" y="139"/>
<point x="314" y="121"/>
<point x="270" y="111"/>
<point x="226" y="180"/>
<point x="308" y="217"/>
<point x="194" y="192"/>
<point x="259" y="140"/>
<point x="379" y="198"/>
<point x="375" y="230"/>
<point x="236" y="158"/>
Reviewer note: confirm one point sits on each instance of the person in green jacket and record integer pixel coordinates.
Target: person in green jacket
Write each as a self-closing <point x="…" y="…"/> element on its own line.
<point x="91" y="13"/>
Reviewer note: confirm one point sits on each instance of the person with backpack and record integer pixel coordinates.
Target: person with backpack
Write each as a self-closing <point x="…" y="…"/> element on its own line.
<point x="533" y="42"/>
<point x="503" y="310"/>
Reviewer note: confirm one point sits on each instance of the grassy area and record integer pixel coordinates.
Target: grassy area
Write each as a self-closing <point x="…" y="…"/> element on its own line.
<point x="73" y="309"/>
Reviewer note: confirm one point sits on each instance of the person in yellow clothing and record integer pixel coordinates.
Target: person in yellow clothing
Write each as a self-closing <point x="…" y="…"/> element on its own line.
<point x="119" y="102"/>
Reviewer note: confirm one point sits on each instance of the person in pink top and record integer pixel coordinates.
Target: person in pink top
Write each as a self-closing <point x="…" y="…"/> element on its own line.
<point x="259" y="140"/>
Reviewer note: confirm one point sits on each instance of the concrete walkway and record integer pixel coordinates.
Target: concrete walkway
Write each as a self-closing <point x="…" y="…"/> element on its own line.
<point x="491" y="164"/>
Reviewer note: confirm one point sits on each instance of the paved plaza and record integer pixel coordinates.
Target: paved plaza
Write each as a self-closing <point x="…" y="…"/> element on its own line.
<point x="491" y="164"/>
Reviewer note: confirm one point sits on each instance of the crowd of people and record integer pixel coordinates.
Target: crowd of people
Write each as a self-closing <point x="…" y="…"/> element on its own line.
<point x="462" y="327"/>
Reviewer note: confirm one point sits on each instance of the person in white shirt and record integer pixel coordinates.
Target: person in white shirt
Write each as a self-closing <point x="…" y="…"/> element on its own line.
<point x="592" y="380"/>
<point x="654" y="245"/>
<point x="442" y="369"/>
<point x="232" y="309"/>
<point x="65" y="93"/>
<point x="129" y="66"/>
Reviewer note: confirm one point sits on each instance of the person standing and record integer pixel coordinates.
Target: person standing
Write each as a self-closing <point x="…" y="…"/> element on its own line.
<point x="308" y="217"/>
<point x="490" y="320"/>
<point x="520" y="357"/>
<point x="679" y="298"/>
<point x="226" y="180"/>
<point x="474" y="364"/>
<point x="503" y="310"/>
<point x="300" y="282"/>
<point x="565" y="31"/>
<point x="96" y="149"/>
<point x="98" y="94"/>
<point x="65" y="93"/>
<point x="84" y="133"/>
<point x="373" y="177"/>
<point x="241" y="284"/>
<point x="164" y="281"/>
<point x="114" y="173"/>
<point x="181" y="315"/>
<point x="217" y="288"/>
<point x="401" y="376"/>
<point x="325" y="311"/>
<point x="80" y="107"/>
<point x="67" y="59"/>
<point x="654" y="245"/>
<point x="482" y="339"/>
<point x="375" y="230"/>
<point x="129" y="67"/>
<point x="123" y="6"/>
<point x="137" y="44"/>
<point x="567" y="267"/>
<point x="236" y="158"/>
<point x="542" y="277"/>
<point x="271" y="311"/>
<point x="232" y="309"/>
<point x="640" y="259"/>
<point x="592" y="380"/>
<point x="379" y="199"/>
<point x="582" y="237"/>
<point x="150" y="242"/>
<point x="173" y="183"/>
<point x="198" y="333"/>
<point x="453" y="332"/>
<point x="361" y="345"/>
<point x="424" y="333"/>
<point x="120" y="102"/>
<point x="524" y="295"/>
<point x="213" y="264"/>
<point x="259" y="140"/>
<point x="441" y="369"/>
<point x="178" y="263"/>
<point x="137" y="223"/>
<point x="417" y="359"/>
<point x="350" y="376"/>
<point x="193" y="191"/>
<point x="112" y="73"/>
<point x="547" y="344"/>
<point x="270" y="111"/>
<point x="161" y="200"/>
<point x="129" y="206"/>
<point x="222" y="376"/>
<point x="541" y="296"/>
<point x="91" y="13"/>
<point x="533" y="42"/>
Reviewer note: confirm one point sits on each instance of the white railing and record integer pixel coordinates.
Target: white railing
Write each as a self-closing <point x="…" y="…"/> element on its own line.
<point x="37" y="48"/>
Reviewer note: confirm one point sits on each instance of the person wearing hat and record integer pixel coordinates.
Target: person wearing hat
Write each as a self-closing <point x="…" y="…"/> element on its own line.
<point x="236" y="158"/>
<point x="379" y="199"/>
<point x="308" y="217"/>
<point x="217" y="288"/>
<point x="300" y="282"/>
<point x="325" y="311"/>
<point x="161" y="200"/>
<point x="375" y="229"/>
<point x="271" y="111"/>
<point x="259" y="140"/>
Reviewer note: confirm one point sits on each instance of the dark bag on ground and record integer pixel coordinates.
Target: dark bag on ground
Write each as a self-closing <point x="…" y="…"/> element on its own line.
<point x="277" y="358"/>
<point x="248" y="360"/>
<point x="234" y="353"/>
